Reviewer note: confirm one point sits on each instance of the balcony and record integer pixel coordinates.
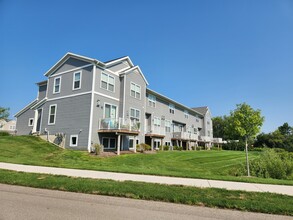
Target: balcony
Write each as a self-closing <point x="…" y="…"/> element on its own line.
<point x="185" y="136"/>
<point x="155" y="131"/>
<point x="205" y="139"/>
<point x="120" y="125"/>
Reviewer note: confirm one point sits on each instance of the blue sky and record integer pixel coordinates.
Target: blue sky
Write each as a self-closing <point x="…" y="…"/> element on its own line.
<point x="215" y="53"/>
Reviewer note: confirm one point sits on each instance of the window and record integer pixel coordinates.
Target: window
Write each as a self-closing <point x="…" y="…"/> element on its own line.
<point x="110" y="111"/>
<point x="195" y="130"/>
<point x="109" y="143"/>
<point x="186" y="114"/>
<point x="209" y="133"/>
<point x="157" y="121"/>
<point x="108" y="82"/>
<point x="52" y="114"/>
<point x="57" y="85"/>
<point x="168" y="126"/>
<point x="168" y="143"/>
<point x="208" y="122"/>
<point x="134" y="113"/>
<point x="172" y="108"/>
<point x="135" y="90"/>
<point x="73" y="140"/>
<point x="31" y="122"/>
<point x="152" y="100"/>
<point x="76" y="80"/>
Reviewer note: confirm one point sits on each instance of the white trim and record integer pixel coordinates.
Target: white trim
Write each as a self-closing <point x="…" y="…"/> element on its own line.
<point x="66" y="57"/>
<point x="29" y="120"/>
<point x="69" y="96"/>
<point x="135" y="84"/>
<point x="70" y="140"/>
<point x="119" y="60"/>
<point x="38" y="103"/>
<point x="92" y="110"/>
<point x="135" y="109"/>
<point x="124" y="89"/>
<point x="122" y="70"/>
<point x="108" y="147"/>
<point x="54" y="114"/>
<point x="26" y="108"/>
<point x="110" y="71"/>
<point x="108" y="75"/>
<point x="106" y="103"/>
<point x="41" y="119"/>
<point x="47" y="87"/>
<point x="55" y="85"/>
<point x="73" y="80"/>
<point x="107" y="96"/>
<point x="72" y="70"/>
<point x="139" y="71"/>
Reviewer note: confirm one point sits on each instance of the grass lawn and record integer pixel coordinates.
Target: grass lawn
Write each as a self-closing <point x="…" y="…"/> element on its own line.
<point x="194" y="164"/>
<point x="210" y="197"/>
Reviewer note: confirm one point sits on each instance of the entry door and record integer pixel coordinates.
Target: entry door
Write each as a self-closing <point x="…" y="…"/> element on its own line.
<point x="39" y="119"/>
<point x="110" y="111"/>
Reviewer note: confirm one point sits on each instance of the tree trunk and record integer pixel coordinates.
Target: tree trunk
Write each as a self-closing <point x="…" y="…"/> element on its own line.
<point x="246" y="151"/>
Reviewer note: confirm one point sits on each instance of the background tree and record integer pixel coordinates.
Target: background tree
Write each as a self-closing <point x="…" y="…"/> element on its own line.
<point x="4" y="113"/>
<point x="245" y="122"/>
<point x="285" y="129"/>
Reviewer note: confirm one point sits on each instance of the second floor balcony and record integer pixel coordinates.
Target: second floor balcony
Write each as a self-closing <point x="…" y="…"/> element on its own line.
<point x="119" y="125"/>
<point x="185" y="135"/>
<point x="155" y="130"/>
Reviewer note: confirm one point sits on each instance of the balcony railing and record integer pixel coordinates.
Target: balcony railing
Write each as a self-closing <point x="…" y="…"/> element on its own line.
<point x="205" y="138"/>
<point x="118" y="124"/>
<point x="185" y="135"/>
<point x="156" y="130"/>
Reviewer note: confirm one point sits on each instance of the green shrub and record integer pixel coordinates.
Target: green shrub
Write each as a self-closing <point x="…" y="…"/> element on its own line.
<point x="4" y="133"/>
<point x="272" y="163"/>
<point x="98" y="149"/>
<point x="143" y="147"/>
<point x="177" y="148"/>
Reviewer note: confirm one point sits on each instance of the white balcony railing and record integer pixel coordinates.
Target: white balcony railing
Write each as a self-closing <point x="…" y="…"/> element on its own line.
<point x="185" y="135"/>
<point x="205" y="138"/>
<point x="118" y="124"/>
<point x="156" y="130"/>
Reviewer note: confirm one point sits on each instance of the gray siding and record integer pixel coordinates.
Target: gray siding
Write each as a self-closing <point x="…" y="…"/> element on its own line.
<point x="72" y="118"/>
<point x="119" y="66"/>
<point x="67" y="83"/>
<point x="22" y="122"/>
<point x="70" y="64"/>
<point x="42" y="92"/>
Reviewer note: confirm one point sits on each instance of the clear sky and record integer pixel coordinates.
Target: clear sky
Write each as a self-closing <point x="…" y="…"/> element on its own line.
<point x="215" y="53"/>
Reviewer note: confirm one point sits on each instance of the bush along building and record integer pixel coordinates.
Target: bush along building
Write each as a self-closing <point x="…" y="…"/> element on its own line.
<point x="85" y="102"/>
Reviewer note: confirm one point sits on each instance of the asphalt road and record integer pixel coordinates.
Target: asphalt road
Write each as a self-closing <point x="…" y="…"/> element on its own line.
<point x="18" y="202"/>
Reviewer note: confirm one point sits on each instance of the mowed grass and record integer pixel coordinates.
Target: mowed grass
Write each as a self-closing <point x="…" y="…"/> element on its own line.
<point x="193" y="164"/>
<point x="210" y="197"/>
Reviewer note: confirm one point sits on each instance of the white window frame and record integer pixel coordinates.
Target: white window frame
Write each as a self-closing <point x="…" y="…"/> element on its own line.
<point x="73" y="81"/>
<point x="135" y="92"/>
<point x="157" y="119"/>
<point x="152" y="100"/>
<point x="109" y="138"/>
<point x="106" y="103"/>
<point x="54" y="92"/>
<point x="135" y="112"/>
<point x="49" y="123"/>
<point x="31" y="124"/>
<point x="172" y="108"/>
<point x="71" y="144"/>
<point x="168" y="122"/>
<point x="186" y="114"/>
<point x="108" y="76"/>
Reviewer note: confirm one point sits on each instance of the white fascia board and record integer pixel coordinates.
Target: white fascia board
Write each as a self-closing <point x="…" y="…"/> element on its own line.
<point x="67" y="56"/>
<point x="173" y="101"/>
<point x="35" y="106"/>
<point x="139" y="70"/>
<point x="119" y="60"/>
<point x="26" y="108"/>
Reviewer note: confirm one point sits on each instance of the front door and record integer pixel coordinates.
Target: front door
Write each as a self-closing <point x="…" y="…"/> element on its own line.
<point x="39" y="120"/>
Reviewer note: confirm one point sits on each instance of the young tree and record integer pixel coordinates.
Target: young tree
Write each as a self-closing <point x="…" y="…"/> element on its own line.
<point x="4" y="113"/>
<point x="246" y="122"/>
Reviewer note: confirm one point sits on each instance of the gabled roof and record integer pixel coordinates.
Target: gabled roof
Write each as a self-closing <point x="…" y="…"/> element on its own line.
<point x="133" y="69"/>
<point x="118" y="60"/>
<point x="172" y="101"/>
<point x="26" y="108"/>
<point x="69" y="55"/>
<point x="202" y="110"/>
<point x="36" y="105"/>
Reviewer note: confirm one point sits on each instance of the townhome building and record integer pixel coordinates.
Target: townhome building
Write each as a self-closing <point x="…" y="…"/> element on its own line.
<point x="84" y="101"/>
